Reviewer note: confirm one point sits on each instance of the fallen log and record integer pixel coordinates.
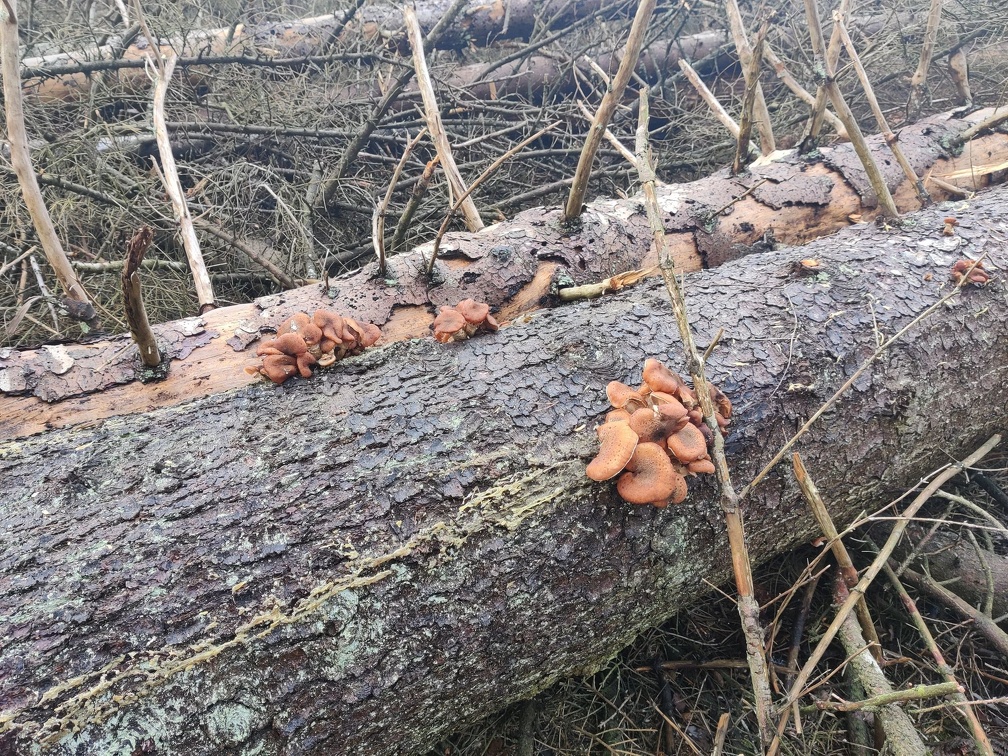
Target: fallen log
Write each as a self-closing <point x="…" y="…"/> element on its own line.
<point x="359" y="562"/>
<point x="515" y="266"/>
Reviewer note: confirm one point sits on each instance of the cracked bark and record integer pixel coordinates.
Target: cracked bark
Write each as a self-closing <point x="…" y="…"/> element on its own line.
<point x="360" y="562"/>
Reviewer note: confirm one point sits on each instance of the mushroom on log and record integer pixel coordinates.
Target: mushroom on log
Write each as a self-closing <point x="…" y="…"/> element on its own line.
<point x="361" y="562"/>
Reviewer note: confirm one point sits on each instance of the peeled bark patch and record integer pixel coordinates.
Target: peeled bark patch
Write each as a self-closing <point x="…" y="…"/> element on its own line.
<point x="362" y="562"/>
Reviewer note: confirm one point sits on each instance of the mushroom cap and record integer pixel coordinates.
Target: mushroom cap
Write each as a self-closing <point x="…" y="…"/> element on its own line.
<point x="704" y="465"/>
<point x="687" y="444"/>
<point x="721" y="401"/>
<point x="279" y="367"/>
<point x="622" y="396"/>
<point x="618" y="444"/>
<point x="618" y="416"/>
<point x="650" y="476"/>
<point x="448" y="322"/>
<point x="304" y="363"/>
<point x="473" y="311"/>
<point x="660" y="378"/>
<point x="294" y="324"/>
<point x="332" y="329"/>
<point x="370" y="336"/>
<point x="655" y="424"/>
<point x="290" y="343"/>
<point x="490" y="324"/>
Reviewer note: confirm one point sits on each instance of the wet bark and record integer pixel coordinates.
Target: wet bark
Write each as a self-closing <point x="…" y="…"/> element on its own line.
<point x="515" y="266"/>
<point x="359" y="562"/>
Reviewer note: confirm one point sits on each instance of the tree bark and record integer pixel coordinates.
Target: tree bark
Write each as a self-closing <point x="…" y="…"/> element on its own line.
<point x="359" y="562"/>
<point x="515" y="266"/>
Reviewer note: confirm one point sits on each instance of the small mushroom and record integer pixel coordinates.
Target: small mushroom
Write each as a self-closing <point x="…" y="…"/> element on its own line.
<point x="618" y="416"/>
<point x="331" y="326"/>
<point x="949" y="228"/>
<point x="651" y="478"/>
<point x="655" y="424"/>
<point x="704" y="465"/>
<point x="687" y="444"/>
<point x="618" y="444"/>
<point x="622" y="396"/>
<point x="447" y="324"/>
<point x="660" y="378"/>
<point x="978" y="276"/>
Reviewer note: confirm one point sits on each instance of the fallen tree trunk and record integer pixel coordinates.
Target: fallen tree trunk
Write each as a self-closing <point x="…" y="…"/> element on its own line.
<point x="360" y="562"/>
<point x="515" y="266"/>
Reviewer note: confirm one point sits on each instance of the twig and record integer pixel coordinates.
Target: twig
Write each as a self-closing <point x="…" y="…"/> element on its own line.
<point x="416" y="196"/>
<point x="819" y="107"/>
<point x="271" y="268"/>
<point x="847" y="569"/>
<point x="798" y="90"/>
<point x="331" y="185"/>
<point x="173" y="186"/>
<point x="437" y="132"/>
<point x="721" y="734"/>
<point x="986" y="626"/>
<point x="988" y="123"/>
<point x="799" y="628"/>
<point x="748" y="607"/>
<point x="605" y="286"/>
<point x="916" y="693"/>
<point x="979" y="736"/>
<point x="460" y="202"/>
<point x="885" y="200"/>
<point x="918" y="82"/>
<point x="880" y="118"/>
<point x="612" y="97"/>
<point x="378" y="235"/>
<point x="868" y="576"/>
<point x="22" y="164"/>
<point x="847" y="384"/>
<point x="959" y="73"/>
<point x="748" y="100"/>
<point x="610" y="137"/>
<point x="136" y="313"/>
<point x="707" y="96"/>
<point x="746" y="53"/>
<point x="40" y="280"/>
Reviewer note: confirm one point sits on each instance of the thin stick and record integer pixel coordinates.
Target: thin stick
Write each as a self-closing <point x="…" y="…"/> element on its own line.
<point x="707" y="96"/>
<point x="482" y="177"/>
<point x="433" y="115"/>
<point x="847" y="384"/>
<point x="819" y="107"/>
<point x="916" y="693"/>
<point x="173" y="186"/>
<point x="748" y="607"/>
<point x="847" y="569"/>
<point x="798" y="90"/>
<point x="885" y="200"/>
<point x="722" y="733"/>
<point x="797" y="688"/>
<point x="22" y="164"/>
<point x="880" y="118"/>
<point x="979" y="736"/>
<point x="416" y="196"/>
<point x="575" y="200"/>
<point x="752" y="86"/>
<point x="378" y="236"/>
<point x="136" y="313"/>
<point x="271" y="268"/>
<point x="918" y="82"/>
<point x="610" y="137"/>
<point x="746" y="53"/>
<point x="987" y="123"/>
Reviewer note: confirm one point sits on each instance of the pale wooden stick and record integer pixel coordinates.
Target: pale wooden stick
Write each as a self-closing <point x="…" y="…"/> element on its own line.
<point x="22" y="164"/>
<point x="173" y="187"/>
<point x="979" y="736"/>
<point x="885" y="200"/>
<point x="271" y="268"/>
<point x="847" y="569"/>
<point x="748" y="606"/>
<point x="988" y="123"/>
<point x="433" y="116"/>
<point x="749" y="100"/>
<point x="416" y="196"/>
<point x="378" y="221"/>
<point x="869" y="575"/>
<point x="712" y="102"/>
<point x="958" y="69"/>
<point x="610" y="137"/>
<point x="880" y="118"/>
<point x="918" y="82"/>
<point x="136" y="313"/>
<point x="798" y="90"/>
<point x="745" y="52"/>
<point x="819" y="107"/>
<point x="612" y="97"/>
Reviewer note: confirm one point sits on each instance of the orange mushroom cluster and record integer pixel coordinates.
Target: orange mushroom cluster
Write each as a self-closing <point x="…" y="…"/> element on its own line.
<point x="463" y="320"/>
<point x="978" y="276"/>
<point x="303" y="341"/>
<point x="656" y="437"/>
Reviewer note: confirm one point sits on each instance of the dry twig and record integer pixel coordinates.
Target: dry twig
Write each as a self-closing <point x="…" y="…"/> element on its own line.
<point x="748" y="607"/>
<point x="437" y="132"/>
<point x="575" y="200"/>
<point x="752" y="87"/>
<point x="378" y="221"/>
<point x="918" y="82"/>
<point x="136" y="313"/>
<point x="750" y="71"/>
